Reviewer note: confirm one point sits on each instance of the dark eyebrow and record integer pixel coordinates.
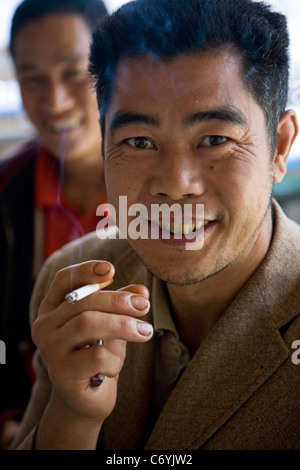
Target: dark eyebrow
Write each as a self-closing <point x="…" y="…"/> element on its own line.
<point x="227" y="114"/>
<point x="122" y="119"/>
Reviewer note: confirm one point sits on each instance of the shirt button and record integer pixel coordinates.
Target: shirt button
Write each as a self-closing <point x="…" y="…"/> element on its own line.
<point x="176" y="349"/>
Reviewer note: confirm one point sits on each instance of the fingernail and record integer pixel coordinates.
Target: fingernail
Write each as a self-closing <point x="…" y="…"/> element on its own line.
<point x="144" y="328"/>
<point x="102" y="268"/>
<point x="139" y="302"/>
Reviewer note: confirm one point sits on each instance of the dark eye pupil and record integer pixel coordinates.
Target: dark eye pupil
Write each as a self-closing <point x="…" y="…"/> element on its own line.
<point x="216" y="140"/>
<point x="140" y="142"/>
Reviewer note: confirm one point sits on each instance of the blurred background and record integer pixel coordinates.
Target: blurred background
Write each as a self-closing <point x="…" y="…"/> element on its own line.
<point x="15" y="128"/>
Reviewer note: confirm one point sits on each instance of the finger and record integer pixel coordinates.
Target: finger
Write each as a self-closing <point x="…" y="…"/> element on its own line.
<point x="86" y="328"/>
<point x="117" y="302"/>
<point x="105" y="360"/>
<point x="78" y="275"/>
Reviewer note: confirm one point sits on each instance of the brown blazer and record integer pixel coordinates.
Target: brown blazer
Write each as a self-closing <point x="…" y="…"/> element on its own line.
<point x="241" y="390"/>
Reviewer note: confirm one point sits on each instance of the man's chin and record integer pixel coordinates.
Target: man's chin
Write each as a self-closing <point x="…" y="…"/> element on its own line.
<point x="173" y="275"/>
<point x="182" y="271"/>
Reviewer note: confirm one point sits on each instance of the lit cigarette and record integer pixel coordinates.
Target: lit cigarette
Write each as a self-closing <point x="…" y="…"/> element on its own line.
<point x="84" y="291"/>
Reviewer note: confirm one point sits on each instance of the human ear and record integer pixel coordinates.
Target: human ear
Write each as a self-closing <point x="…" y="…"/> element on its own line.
<point x="286" y="134"/>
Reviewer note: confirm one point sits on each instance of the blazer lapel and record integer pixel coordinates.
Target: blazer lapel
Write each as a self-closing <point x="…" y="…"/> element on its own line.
<point x="230" y="365"/>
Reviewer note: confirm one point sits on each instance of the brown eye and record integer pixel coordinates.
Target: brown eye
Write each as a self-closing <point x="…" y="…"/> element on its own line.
<point x="140" y="143"/>
<point x="214" y="140"/>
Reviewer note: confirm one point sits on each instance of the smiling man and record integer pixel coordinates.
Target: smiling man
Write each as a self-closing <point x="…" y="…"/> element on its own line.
<point x="196" y="344"/>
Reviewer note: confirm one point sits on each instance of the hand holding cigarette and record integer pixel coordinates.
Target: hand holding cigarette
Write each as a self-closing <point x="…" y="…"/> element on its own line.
<point x="64" y="329"/>
<point x="79" y="294"/>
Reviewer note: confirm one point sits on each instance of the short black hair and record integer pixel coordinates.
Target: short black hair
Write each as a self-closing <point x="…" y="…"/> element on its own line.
<point x="168" y="28"/>
<point x="93" y="11"/>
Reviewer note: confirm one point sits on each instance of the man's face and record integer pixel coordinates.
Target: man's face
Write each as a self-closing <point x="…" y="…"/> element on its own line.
<point x="187" y="131"/>
<point x="51" y="59"/>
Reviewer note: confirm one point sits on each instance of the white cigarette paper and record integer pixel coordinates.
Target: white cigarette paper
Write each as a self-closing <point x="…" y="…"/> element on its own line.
<point x="84" y="291"/>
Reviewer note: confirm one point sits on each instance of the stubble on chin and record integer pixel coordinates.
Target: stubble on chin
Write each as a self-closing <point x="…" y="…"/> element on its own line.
<point x="172" y="274"/>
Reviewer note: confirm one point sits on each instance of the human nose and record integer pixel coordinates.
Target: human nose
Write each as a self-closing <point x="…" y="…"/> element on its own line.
<point x="57" y="99"/>
<point x="177" y="177"/>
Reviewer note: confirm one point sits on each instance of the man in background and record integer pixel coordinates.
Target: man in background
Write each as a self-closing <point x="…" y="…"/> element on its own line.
<point x="51" y="188"/>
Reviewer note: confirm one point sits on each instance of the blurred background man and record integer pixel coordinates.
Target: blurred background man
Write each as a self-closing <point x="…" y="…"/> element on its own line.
<point x="51" y="187"/>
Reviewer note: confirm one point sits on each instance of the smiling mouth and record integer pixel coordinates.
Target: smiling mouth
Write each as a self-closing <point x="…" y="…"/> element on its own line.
<point x="182" y="228"/>
<point x="64" y="125"/>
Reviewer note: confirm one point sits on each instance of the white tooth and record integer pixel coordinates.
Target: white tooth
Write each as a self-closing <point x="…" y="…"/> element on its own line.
<point x="181" y="228"/>
<point x="185" y="228"/>
<point x="199" y="224"/>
